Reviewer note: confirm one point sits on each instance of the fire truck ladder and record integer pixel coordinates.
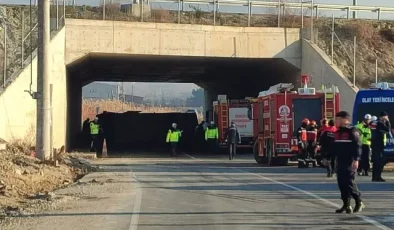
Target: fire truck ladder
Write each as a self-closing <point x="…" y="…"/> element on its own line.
<point x="329" y="101"/>
<point x="223" y="109"/>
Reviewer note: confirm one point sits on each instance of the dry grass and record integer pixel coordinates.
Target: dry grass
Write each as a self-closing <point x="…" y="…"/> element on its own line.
<point x="89" y="108"/>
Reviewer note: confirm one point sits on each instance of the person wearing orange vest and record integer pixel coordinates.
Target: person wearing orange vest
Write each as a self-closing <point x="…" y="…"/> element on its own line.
<point x="311" y="136"/>
<point x="302" y="143"/>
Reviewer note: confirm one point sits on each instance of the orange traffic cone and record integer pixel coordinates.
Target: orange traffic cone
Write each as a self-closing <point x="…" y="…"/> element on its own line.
<point x="105" y="153"/>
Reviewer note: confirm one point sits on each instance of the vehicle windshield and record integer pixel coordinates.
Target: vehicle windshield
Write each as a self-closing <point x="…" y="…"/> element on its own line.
<point x="374" y="109"/>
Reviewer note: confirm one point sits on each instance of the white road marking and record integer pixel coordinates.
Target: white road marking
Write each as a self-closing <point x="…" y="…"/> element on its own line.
<point x="321" y="199"/>
<point x="137" y="206"/>
<point x="191" y="157"/>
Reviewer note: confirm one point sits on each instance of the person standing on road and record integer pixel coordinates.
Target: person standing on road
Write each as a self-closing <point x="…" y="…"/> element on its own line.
<point x="378" y="143"/>
<point x="365" y="131"/>
<point x="311" y="132"/>
<point x="347" y="149"/>
<point x="326" y="140"/>
<point x="200" y="137"/>
<point x="233" y="137"/>
<point x="302" y="143"/>
<point x="173" y="136"/>
<point x="94" y="135"/>
<point x="86" y="133"/>
<point x="212" y="136"/>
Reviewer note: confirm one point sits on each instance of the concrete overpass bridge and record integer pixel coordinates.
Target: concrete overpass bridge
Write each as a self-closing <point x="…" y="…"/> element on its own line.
<point x="237" y="61"/>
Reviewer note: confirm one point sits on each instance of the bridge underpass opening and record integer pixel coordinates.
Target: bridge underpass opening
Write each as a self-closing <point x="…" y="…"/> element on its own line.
<point x="235" y="77"/>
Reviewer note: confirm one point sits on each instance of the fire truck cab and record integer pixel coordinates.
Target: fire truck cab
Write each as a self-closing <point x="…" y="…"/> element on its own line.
<point x="226" y="111"/>
<point x="279" y="112"/>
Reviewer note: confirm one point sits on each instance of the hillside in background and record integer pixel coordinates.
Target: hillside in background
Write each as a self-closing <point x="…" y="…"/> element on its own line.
<point x="375" y="40"/>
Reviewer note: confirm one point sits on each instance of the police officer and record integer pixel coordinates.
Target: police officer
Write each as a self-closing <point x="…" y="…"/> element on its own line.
<point x="365" y="132"/>
<point x="347" y="149"/>
<point x="233" y="137"/>
<point x="378" y="143"/>
<point x="211" y="136"/>
<point x="173" y="136"/>
<point x="302" y="143"/>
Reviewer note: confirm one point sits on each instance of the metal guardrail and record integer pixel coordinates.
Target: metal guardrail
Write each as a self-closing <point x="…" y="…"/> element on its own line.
<point x="303" y="5"/>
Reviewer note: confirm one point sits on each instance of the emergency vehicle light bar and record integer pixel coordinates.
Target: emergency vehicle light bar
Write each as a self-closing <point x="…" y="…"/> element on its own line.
<point x="277" y="89"/>
<point x="382" y="85"/>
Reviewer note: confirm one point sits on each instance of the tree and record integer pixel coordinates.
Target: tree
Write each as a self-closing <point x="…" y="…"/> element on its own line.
<point x="197" y="98"/>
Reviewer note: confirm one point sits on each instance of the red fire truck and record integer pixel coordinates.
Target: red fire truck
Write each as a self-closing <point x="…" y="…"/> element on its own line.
<point x="280" y="111"/>
<point x="226" y="111"/>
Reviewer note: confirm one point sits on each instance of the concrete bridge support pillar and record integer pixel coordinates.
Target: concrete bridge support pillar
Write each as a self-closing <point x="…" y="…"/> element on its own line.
<point x="74" y="113"/>
<point x="210" y="96"/>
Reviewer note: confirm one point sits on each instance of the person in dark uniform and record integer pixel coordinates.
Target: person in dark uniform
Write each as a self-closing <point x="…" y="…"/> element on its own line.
<point x="378" y="143"/>
<point x="232" y="138"/>
<point x="326" y="140"/>
<point x="347" y="149"/>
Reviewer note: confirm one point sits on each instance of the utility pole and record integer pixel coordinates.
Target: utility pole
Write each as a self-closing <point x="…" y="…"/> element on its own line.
<point x="354" y="12"/>
<point x="43" y="150"/>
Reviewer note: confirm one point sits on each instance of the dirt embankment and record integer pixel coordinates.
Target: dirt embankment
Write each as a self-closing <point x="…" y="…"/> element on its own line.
<point x="26" y="182"/>
<point x="375" y="40"/>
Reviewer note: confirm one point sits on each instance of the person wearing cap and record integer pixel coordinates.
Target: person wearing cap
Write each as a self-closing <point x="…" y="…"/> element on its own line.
<point x="366" y="136"/>
<point x="378" y="143"/>
<point x="212" y="136"/>
<point x="347" y="149"/>
<point x="302" y="143"/>
<point x="326" y="140"/>
<point x="173" y="137"/>
<point x="233" y="138"/>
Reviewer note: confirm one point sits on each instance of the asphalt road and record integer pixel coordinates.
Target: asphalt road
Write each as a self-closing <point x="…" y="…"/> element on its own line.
<point x="199" y="192"/>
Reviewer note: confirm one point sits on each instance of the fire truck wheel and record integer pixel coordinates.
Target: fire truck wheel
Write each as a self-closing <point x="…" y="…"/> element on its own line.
<point x="259" y="159"/>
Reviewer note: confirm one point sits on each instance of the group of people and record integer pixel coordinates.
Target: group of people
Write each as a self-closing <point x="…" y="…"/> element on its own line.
<point x="207" y="136"/>
<point x="346" y="149"/>
<point x="307" y="135"/>
<point x="373" y="136"/>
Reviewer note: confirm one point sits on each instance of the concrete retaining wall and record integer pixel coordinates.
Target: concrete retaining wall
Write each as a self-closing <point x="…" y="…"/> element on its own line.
<point x="85" y="36"/>
<point x="316" y="63"/>
<point x="18" y="109"/>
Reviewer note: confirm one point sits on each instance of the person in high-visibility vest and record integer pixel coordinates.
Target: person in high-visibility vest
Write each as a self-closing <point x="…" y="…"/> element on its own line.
<point x="366" y="136"/>
<point x="173" y="137"/>
<point x="94" y="134"/>
<point x="212" y="136"/>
